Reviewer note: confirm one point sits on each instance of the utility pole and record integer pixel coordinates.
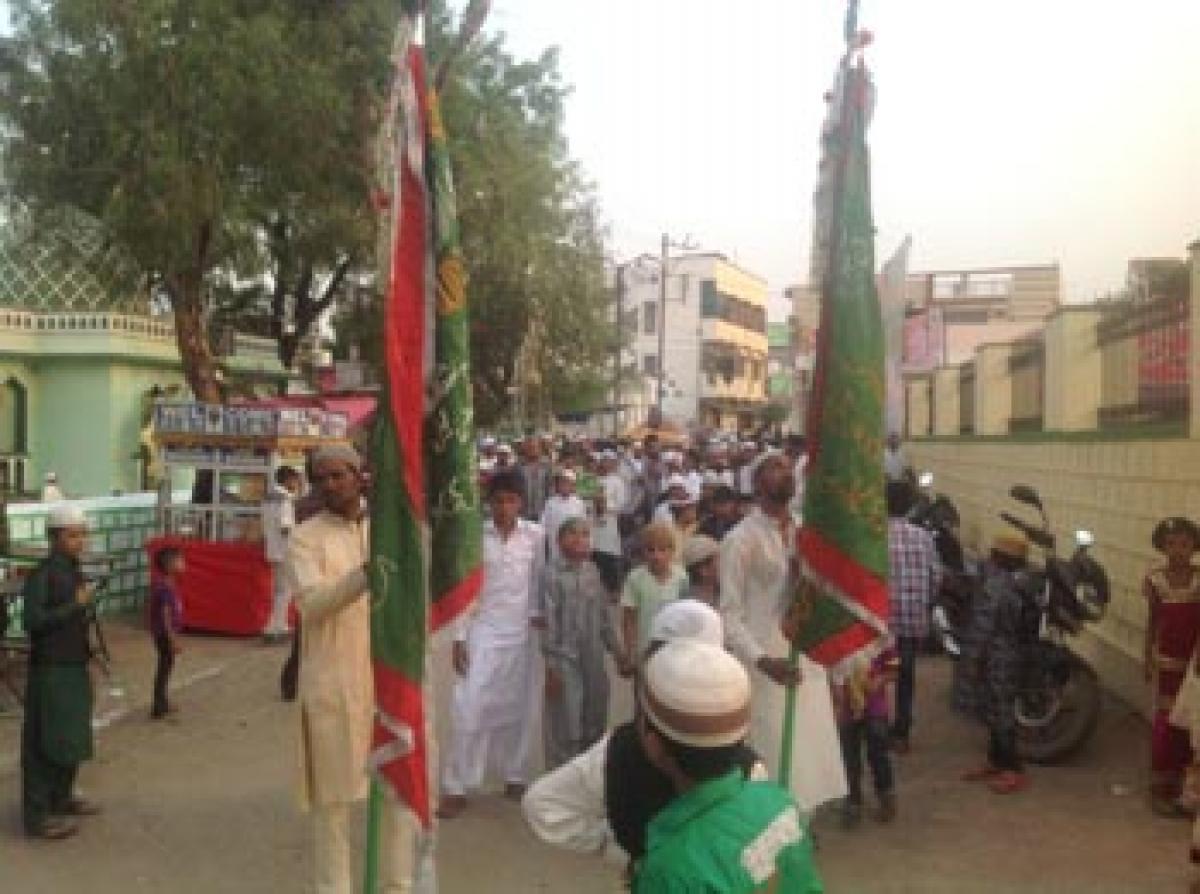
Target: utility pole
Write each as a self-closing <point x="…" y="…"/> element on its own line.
<point x="618" y="350"/>
<point x="667" y="245"/>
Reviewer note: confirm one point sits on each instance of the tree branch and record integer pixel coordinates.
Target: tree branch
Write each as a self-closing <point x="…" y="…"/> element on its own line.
<point x="472" y="22"/>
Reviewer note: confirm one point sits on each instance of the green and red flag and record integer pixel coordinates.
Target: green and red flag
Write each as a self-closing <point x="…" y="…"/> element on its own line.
<point x="425" y="524"/>
<point x="843" y="543"/>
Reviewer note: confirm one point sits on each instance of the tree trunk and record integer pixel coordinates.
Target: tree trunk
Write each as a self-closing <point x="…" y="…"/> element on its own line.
<point x="199" y="364"/>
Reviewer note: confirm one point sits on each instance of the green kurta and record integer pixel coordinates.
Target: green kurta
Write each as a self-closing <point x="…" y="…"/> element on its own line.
<point x="730" y="836"/>
<point x="57" y="733"/>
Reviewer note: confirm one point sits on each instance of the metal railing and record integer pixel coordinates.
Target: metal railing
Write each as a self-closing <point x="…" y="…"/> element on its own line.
<point x="1144" y="349"/>
<point x="1027" y="364"/>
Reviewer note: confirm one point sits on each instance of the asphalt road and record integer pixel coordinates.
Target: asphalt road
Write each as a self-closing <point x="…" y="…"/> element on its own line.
<point x="205" y="805"/>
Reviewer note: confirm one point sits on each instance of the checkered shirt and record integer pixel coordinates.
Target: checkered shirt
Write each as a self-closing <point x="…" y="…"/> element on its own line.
<point x="916" y="575"/>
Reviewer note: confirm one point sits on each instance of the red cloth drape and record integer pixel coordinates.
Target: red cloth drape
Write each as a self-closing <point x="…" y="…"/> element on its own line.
<point x="225" y="588"/>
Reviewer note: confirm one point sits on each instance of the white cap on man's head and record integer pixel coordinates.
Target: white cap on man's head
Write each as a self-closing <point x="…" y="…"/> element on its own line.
<point x="677" y="480"/>
<point x="68" y="515"/>
<point x="687" y="619"/>
<point x="697" y="694"/>
<point x="51" y="476"/>
<point x="566" y="475"/>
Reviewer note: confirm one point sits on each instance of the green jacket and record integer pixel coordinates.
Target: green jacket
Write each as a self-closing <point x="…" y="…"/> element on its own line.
<point x="57" y="624"/>
<point x="728" y="836"/>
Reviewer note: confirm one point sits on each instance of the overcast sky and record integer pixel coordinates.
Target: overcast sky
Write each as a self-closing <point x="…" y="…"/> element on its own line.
<point x="1016" y="132"/>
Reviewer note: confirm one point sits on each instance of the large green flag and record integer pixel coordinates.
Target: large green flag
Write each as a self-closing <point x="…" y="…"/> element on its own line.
<point x="426" y="533"/>
<point x="843" y="544"/>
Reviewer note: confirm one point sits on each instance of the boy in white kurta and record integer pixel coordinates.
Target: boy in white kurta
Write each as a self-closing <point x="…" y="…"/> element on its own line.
<point x="755" y="558"/>
<point x="495" y="691"/>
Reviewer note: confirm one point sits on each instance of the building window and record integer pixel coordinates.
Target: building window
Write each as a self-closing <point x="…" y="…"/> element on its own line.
<point x="650" y="317"/>
<point x="650" y="364"/>
<point x="14" y="419"/>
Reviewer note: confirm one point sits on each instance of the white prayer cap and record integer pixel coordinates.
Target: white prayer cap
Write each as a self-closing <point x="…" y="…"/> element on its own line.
<point x="687" y="619"/>
<point x="712" y="478"/>
<point x="51" y="476"/>
<point x="697" y="694"/>
<point x="68" y="515"/>
<point x="487" y="442"/>
<point x="338" y="453"/>
<point x="567" y="474"/>
<point x="699" y="549"/>
<point x="506" y="449"/>
<point x="676" y="480"/>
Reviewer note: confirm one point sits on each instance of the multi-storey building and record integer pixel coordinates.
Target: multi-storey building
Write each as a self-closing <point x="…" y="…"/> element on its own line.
<point x="714" y="358"/>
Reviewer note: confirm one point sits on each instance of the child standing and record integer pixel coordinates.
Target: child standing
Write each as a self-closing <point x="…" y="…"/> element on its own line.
<point x="166" y="620"/>
<point x="649" y="587"/>
<point x="862" y="711"/>
<point x="1173" y="593"/>
<point x="579" y="630"/>
<point x="700" y="557"/>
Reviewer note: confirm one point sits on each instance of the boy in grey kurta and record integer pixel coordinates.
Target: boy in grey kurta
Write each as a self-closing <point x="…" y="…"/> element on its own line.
<point x="579" y="629"/>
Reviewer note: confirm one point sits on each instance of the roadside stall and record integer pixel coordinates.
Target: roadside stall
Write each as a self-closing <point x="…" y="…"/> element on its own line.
<point x="232" y="454"/>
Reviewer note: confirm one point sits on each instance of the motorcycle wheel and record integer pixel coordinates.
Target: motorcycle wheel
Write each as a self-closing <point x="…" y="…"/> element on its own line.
<point x="1050" y="730"/>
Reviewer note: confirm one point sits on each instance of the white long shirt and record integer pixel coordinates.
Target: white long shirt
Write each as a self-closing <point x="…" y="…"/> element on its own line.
<point x="558" y="510"/>
<point x="279" y="517"/>
<point x="509" y="597"/>
<point x="755" y="557"/>
<point x="606" y="533"/>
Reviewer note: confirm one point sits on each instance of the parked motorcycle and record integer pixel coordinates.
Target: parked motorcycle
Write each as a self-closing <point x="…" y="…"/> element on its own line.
<point x="1058" y="704"/>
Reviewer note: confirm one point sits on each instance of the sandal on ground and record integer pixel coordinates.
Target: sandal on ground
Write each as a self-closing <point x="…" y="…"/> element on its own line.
<point x="1009" y="782"/>
<point x="982" y="774"/>
<point x="55" y="829"/>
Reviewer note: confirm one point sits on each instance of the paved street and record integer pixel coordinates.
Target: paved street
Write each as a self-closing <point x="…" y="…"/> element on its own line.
<point x="204" y="805"/>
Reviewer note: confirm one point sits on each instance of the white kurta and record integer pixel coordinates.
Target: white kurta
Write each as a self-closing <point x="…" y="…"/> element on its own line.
<point x="492" y="704"/>
<point x="754" y="598"/>
<point x="606" y="533"/>
<point x="558" y="510"/>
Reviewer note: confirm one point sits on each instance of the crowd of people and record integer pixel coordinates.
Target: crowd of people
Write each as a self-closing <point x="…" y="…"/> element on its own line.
<point x="666" y="568"/>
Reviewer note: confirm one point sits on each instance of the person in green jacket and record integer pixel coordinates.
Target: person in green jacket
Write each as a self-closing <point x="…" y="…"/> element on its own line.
<point x="57" y="733"/>
<point x="723" y="834"/>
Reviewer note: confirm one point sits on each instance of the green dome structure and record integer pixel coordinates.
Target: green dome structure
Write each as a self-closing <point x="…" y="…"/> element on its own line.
<point x="70" y="268"/>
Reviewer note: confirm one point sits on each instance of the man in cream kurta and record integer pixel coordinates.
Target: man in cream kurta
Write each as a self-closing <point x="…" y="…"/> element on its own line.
<point x="755" y="558"/>
<point x="327" y="558"/>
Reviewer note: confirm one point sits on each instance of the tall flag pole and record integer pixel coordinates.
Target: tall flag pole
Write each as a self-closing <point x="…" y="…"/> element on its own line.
<point x="425" y="522"/>
<point x="843" y="550"/>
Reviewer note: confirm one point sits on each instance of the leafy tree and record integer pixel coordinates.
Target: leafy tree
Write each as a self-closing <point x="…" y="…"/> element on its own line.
<point x="531" y="237"/>
<point x="215" y="142"/>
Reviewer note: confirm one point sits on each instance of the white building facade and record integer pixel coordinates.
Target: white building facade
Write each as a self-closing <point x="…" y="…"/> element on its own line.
<point x="715" y="340"/>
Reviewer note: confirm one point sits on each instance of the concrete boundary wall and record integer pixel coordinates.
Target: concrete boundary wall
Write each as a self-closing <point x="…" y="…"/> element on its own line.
<point x="1117" y="489"/>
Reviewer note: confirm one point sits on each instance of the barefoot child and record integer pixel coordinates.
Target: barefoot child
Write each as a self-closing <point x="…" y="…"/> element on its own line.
<point x="579" y="630"/>
<point x="166" y="620"/>
<point x="649" y="587"/>
<point x="1173" y="594"/>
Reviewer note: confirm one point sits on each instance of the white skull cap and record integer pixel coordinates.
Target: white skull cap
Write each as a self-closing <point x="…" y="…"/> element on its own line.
<point x="687" y="619"/>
